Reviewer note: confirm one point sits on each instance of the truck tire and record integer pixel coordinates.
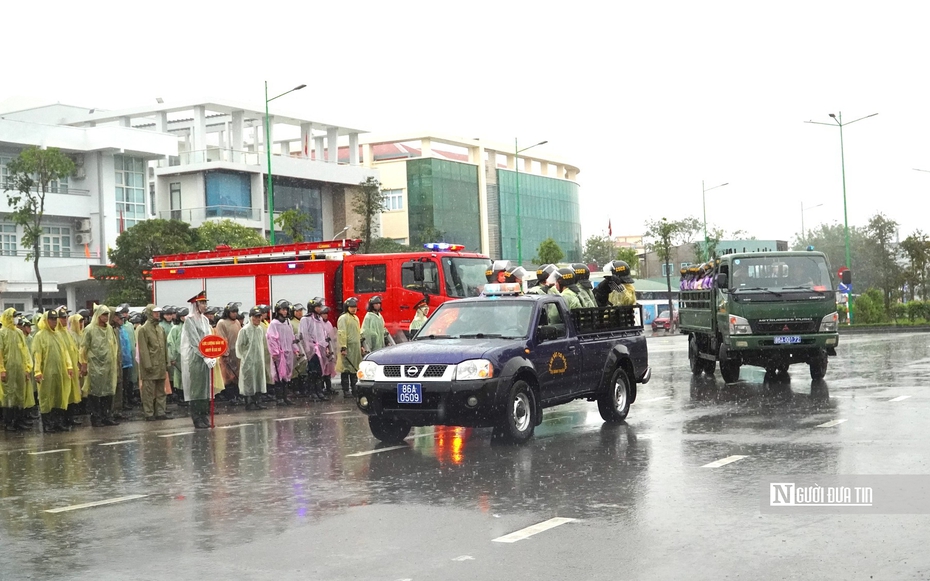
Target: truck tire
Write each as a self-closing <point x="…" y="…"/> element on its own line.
<point x="819" y="366"/>
<point x="389" y="431"/>
<point x="518" y="421"/>
<point x="697" y="364"/>
<point x="614" y="403"/>
<point x="729" y="369"/>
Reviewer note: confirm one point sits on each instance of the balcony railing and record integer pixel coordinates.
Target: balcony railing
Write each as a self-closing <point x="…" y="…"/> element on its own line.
<point x="64" y="189"/>
<point x="75" y="252"/>
<point x="211" y="155"/>
<point x="199" y="215"/>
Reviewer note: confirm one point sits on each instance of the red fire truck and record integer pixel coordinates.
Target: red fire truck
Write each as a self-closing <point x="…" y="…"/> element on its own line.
<point x="334" y="270"/>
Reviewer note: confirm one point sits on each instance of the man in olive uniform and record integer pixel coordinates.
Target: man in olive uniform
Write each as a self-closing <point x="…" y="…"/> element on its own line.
<point x="564" y="279"/>
<point x="374" y="335"/>
<point x="100" y="357"/>
<point x="174" y="356"/>
<point x="195" y="368"/>
<point x="153" y="364"/>
<point x="617" y="287"/>
<point x="543" y="286"/>
<point x="348" y="331"/>
<point x="15" y="368"/>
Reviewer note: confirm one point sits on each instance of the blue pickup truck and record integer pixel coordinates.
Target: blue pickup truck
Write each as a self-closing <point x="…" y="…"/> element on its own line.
<point x="497" y="361"/>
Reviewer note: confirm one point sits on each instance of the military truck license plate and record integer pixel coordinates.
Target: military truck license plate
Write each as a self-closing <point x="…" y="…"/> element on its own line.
<point x="787" y="339"/>
<point x="409" y="393"/>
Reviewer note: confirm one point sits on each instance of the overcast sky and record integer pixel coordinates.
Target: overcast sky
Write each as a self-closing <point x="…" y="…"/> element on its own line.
<point x="647" y="98"/>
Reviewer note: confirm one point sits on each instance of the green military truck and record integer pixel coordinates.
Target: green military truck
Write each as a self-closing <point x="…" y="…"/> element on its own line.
<point x="769" y="309"/>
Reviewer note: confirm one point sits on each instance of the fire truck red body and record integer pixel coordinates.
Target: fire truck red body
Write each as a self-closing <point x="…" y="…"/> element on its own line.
<point x="333" y="270"/>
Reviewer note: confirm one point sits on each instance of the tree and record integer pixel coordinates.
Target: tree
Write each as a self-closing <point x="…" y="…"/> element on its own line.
<point x="881" y="254"/>
<point x="831" y="240"/>
<point x="294" y="223"/>
<point x="368" y="203"/>
<point x="427" y="235"/>
<point x="548" y="252"/>
<point x="389" y="246"/>
<point x="665" y="236"/>
<point x="211" y="234"/>
<point x="917" y="248"/>
<point x="133" y="254"/>
<point x="598" y="249"/>
<point x="631" y="257"/>
<point x="33" y="174"/>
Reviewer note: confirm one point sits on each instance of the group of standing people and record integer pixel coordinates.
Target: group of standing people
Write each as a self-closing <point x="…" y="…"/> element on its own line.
<point x="573" y="283"/>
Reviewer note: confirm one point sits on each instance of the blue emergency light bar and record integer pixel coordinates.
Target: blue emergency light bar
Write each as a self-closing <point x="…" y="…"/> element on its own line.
<point x="444" y="246"/>
<point x="502" y="289"/>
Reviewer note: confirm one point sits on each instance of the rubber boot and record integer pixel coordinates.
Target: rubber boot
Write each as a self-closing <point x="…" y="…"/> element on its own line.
<point x="284" y="399"/>
<point x="48" y="424"/>
<point x="249" y="406"/>
<point x="9" y="420"/>
<point x="70" y="416"/>
<point x="93" y="405"/>
<point x="108" y="419"/>
<point x="257" y="402"/>
<point x="345" y="386"/>
<point x="317" y="387"/>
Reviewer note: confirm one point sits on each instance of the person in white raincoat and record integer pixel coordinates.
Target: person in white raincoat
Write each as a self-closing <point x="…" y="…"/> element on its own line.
<point x="374" y="335"/>
<point x="195" y="368"/>
<point x="254" y="360"/>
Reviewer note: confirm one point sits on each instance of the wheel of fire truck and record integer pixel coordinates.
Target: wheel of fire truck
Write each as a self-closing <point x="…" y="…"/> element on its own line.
<point x="519" y="415"/>
<point x="614" y="403"/>
<point x="388" y="431"/>
<point x="819" y="365"/>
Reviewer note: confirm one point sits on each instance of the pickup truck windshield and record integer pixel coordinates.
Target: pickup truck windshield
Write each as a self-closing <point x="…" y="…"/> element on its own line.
<point x="464" y="276"/>
<point x="780" y="273"/>
<point x="486" y="319"/>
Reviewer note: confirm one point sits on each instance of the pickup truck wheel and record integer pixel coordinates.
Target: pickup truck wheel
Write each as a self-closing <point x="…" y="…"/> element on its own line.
<point x="519" y="420"/>
<point x="819" y="366"/>
<point x="390" y="431"/>
<point x="614" y="404"/>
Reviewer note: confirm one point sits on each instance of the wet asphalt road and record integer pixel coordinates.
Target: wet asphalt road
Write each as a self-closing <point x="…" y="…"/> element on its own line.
<point x="307" y="493"/>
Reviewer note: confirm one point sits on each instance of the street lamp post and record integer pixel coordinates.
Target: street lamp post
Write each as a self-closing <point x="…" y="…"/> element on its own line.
<point x="516" y="165"/>
<point x="838" y="122"/>
<point x="803" y="231"/>
<point x="704" y="254"/>
<point x="268" y="152"/>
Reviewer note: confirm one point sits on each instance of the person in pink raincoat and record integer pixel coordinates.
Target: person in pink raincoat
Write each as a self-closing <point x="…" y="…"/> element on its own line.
<point x="329" y="361"/>
<point x="313" y="342"/>
<point x="283" y="347"/>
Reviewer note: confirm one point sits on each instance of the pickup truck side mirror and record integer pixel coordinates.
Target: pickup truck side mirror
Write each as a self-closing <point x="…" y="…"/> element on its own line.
<point x="721" y="281"/>
<point x="547" y="333"/>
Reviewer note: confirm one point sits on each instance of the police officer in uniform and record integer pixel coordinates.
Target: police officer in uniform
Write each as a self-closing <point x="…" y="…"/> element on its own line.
<point x="564" y="280"/>
<point x="543" y="285"/>
<point x="583" y="285"/>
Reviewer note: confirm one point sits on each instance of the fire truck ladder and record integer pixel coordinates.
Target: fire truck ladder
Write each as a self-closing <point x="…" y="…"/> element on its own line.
<point x="334" y="250"/>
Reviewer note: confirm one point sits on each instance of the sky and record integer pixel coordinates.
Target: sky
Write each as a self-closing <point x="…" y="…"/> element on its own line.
<point x="646" y="98"/>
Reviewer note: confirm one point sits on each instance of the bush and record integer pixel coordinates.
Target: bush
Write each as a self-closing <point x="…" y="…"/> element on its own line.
<point x="899" y="311"/>
<point x="869" y="308"/>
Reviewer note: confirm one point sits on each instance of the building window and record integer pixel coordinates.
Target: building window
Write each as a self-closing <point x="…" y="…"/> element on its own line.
<point x="18" y="306"/>
<point x="8" y="241"/>
<point x="393" y="200"/>
<point x="685" y="264"/>
<point x="56" y="241"/>
<point x="152" y="198"/>
<point x="668" y="268"/>
<point x="371" y="278"/>
<point x="175" y="200"/>
<point x="130" y="191"/>
<point x="229" y="194"/>
<point x="54" y="186"/>
<point x="5" y="173"/>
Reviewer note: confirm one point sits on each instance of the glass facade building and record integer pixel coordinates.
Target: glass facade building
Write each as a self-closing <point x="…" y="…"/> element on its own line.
<point x="302" y="195"/>
<point x="442" y="198"/>
<point x="549" y="208"/>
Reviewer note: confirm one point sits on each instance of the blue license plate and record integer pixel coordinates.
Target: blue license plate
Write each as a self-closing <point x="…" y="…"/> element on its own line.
<point x="787" y="339"/>
<point x="409" y="393"/>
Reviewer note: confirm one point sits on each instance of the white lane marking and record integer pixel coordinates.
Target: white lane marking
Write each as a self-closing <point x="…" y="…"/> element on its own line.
<point x="899" y="398"/>
<point x="464" y="558"/>
<point x="420" y="436"/>
<point x="97" y="503"/>
<point x="378" y="451"/>
<point x="831" y="423"/>
<point x="724" y="461"/>
<point x="334" y="413"/>
<point x="49" y="451"/>
<point x="657" y="398"/>
<point x="533" y="530"/>
<point x="232" y="426"/>
<point x="290" y="418"/>
<point x="175" y="434"/>
<point x="119" y="442"/>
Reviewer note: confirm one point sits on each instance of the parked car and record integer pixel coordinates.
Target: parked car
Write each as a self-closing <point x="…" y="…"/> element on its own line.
<point x="662" y="322"/>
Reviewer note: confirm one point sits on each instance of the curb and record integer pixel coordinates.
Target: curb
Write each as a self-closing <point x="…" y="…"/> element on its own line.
<point x="883" y="330"/>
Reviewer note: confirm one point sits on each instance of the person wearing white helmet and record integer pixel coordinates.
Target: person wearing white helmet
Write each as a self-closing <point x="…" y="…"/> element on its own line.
<point x="617" y="287"/>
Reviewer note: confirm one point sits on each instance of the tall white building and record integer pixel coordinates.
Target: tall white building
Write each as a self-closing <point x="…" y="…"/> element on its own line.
<point x="192" y="161"/>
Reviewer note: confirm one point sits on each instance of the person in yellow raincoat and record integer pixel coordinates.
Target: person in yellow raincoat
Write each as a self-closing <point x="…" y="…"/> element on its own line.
<point x="15" y="367"/>
<point x="100" y="359"/>
<point x="71" y="329"/>
<point x="53" y="371"/>
<point x="348" y="330"/>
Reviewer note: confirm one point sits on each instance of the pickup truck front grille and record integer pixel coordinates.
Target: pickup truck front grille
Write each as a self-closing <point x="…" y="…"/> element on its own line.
<point x="392" y="370"/>
<point x="783" y="327"/>
<point x="435" y="371"/>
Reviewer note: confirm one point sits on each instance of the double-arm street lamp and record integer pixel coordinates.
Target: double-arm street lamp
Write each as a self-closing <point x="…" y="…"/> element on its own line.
<point x="803" y="231"/>
<point x="516" y="164"/>
<point x="705" y="254"/>
<point x="838" y="122"/>
<point x="268" y="151"/>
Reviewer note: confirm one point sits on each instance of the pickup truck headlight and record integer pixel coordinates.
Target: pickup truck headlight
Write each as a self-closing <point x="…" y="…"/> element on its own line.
<point x="367" y="370"/>
<point x="474" y="369"/>
<point x="828" y="324"/>
<point x="739" y="326"/>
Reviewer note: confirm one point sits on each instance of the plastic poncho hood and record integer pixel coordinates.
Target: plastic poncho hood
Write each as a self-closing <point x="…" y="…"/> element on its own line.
<point x="100" y="351"/>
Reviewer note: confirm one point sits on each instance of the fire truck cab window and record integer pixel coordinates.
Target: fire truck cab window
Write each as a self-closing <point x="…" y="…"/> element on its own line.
<point x="371" y="278"/>
<point x="410" y="276"/>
